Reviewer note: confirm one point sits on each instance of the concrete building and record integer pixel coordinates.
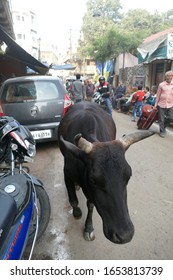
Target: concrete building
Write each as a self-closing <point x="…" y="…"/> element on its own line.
<point x="6" y="18"/>
<point x="14" y="60"/>
<point x="156" y="55"/>
<point x="124" y="62"/>
<point x="48" y="52"/>
<point x="25" y="28"/>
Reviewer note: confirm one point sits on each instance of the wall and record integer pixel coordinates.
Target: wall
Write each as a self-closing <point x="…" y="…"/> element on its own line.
<point x="125" y="60"/>
<point x="133" y="76"/>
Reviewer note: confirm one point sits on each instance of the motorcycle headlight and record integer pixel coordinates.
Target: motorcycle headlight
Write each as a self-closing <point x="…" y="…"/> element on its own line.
<point x="31" y="150"/>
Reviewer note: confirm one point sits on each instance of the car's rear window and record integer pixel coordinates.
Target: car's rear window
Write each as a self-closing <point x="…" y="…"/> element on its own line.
<point x="30" y="90"/>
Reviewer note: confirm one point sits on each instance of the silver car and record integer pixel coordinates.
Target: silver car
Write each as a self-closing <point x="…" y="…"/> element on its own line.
<point x="37" y="102"/>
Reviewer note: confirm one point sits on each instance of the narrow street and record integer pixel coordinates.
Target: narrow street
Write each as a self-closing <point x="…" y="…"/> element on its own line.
<point x="150" y="201"/>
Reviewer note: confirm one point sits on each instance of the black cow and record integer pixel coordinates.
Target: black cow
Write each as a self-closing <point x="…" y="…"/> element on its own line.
<point x="95" y="161"/>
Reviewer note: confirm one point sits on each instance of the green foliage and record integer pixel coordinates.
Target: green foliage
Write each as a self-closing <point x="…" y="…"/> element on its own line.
<point x="148" y="24"/>
<point x="107" y="32"/>
<point x="105" y="8"/>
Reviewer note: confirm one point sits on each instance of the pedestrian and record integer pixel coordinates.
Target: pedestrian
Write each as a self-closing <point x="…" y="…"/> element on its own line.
<point x="78" y="91"/>
<point x="104" y="88"/>
<point x="124" y="104"/>
<point x="121" y="101"/>
<point x="164" y="102"/>
<point x="120" y="91"/>
<point x="147" y="94"/>
<point x="137" y="101"/>
<point x="152" y="98"/>
<point x="89" y="90"/>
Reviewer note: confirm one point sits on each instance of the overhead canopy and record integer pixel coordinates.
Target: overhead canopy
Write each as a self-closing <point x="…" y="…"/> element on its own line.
<point x="73" y="78"/>
<point x="155" y="49"/>
<point x="148" y="49"/>
<point x="157" y="46"/>
<point x="15" y="51"/>
<point x="63" y="67"/>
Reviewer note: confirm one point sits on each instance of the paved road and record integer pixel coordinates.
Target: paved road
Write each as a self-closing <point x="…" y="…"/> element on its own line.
<point x="150" y="200"/>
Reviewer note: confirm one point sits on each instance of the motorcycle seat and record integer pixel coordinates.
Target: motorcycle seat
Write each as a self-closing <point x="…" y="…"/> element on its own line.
<point x="8" y="212"/>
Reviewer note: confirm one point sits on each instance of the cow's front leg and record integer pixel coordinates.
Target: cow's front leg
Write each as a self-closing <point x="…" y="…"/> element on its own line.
<point x="77" y="213"/>
<point x="89" y="230"/>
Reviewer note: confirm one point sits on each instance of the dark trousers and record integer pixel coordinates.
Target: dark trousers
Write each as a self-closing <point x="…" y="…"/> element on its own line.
<point x="77" y="101"/>
<point x="114" y="102"/>
<point x="125" y="107"/>
<point x="165" y="116"/>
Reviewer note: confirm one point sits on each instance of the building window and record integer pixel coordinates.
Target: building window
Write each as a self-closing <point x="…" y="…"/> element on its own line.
<point x="20" y="18"/>
<point x="32" y="19"/>
<point x="19" y="36"/>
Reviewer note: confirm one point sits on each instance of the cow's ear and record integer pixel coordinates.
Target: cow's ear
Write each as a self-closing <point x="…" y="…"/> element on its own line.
<point x="78" y="153"/>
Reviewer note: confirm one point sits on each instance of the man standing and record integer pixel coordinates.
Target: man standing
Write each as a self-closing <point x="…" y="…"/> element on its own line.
<point x="89" y="90"/>
<point x="77" y="91"/>
<point x="164" y="102"/>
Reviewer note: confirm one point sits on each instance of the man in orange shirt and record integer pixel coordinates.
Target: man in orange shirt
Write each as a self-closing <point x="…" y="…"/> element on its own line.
<point x="164" y="102"/>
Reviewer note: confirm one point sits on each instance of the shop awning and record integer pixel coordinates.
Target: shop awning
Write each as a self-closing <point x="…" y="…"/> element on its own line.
<point x="15" y="51"/>
<point x="148" y="50"/>
<point x="157" y="46"/>
<point x="63" y="67"/>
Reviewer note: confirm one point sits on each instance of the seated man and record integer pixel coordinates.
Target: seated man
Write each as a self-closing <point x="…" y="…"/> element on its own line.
<point x="124" y="103"/>
<point x="152" y="98"/>
<point x="120" y="91"/>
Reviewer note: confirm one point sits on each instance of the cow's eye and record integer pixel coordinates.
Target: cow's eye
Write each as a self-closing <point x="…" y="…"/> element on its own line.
<point x="93" y="181"/>
<point x="98" y="182"/>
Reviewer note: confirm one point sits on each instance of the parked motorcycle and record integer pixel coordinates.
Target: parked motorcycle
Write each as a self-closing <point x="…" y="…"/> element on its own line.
<point x="24" y="203"/>
<point x="99" y="99"/>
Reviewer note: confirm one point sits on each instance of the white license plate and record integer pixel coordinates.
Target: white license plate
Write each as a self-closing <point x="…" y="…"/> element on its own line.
<point x="41" y="134"/>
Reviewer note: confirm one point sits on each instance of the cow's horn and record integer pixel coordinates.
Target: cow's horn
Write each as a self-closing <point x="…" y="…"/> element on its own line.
<point x="134" y="137"/>
<point x="83" y="144"/>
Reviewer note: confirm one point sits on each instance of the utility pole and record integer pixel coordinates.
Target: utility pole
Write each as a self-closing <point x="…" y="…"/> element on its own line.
<point x="70" y="46"/>
<point x="98" y="14"/>
<point x="39" y="51"/>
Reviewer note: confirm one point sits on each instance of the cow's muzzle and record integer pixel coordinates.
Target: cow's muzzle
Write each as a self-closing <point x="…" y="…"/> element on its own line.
<point x="121" y="237"/>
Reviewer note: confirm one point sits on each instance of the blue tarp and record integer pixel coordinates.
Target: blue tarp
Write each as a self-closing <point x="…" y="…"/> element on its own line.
<point x="62" y="67"/>
<point x="108" y="66"/>
<point x="108" y="70"/>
